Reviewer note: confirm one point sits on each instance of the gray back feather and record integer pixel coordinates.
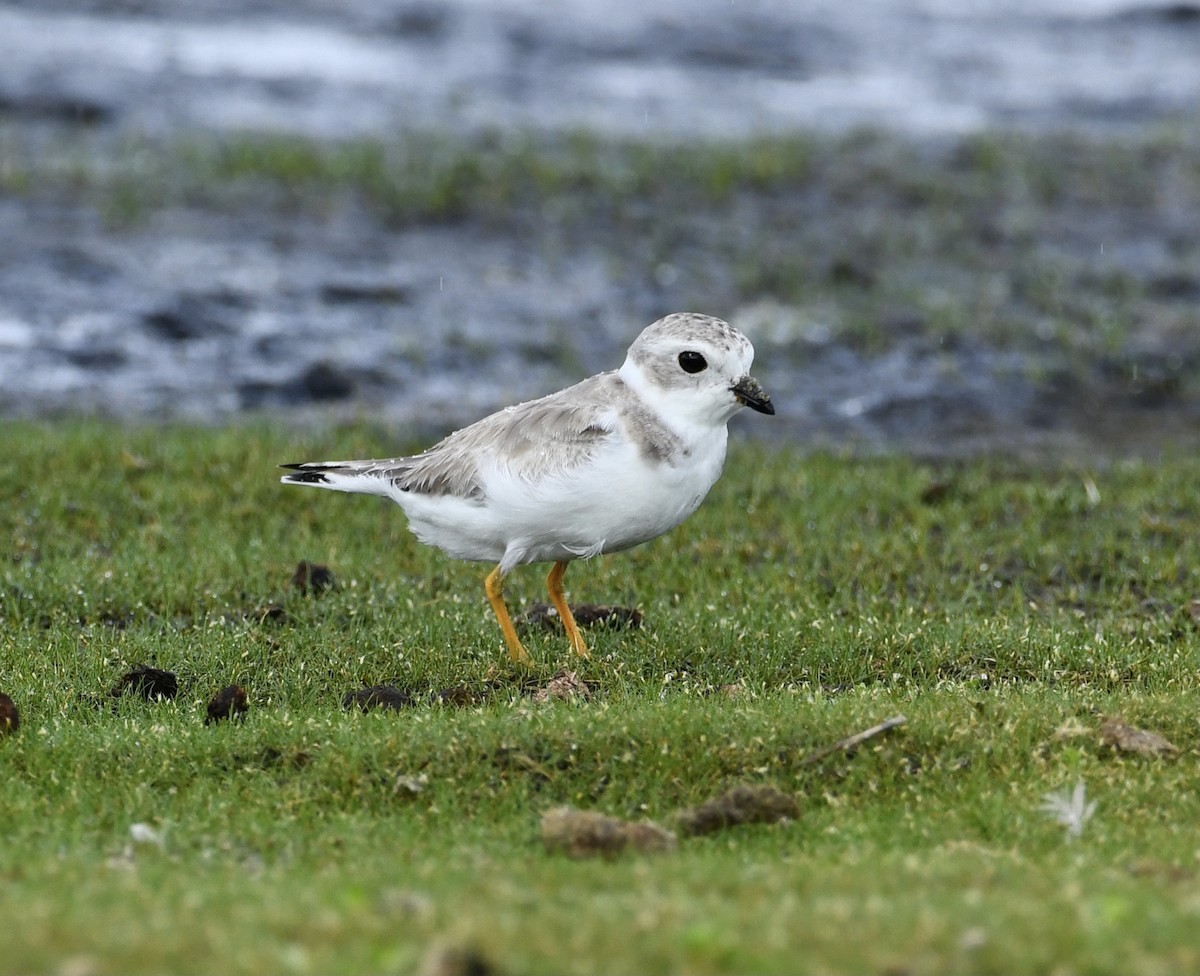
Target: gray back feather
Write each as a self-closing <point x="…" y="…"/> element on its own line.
<point x="533" y="440"/>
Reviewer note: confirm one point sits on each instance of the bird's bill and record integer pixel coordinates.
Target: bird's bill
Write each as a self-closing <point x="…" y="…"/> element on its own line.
<point x="749" y="392"/>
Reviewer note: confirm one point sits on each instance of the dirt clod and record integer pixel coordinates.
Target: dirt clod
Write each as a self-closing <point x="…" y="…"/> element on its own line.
<point x="599" y="615"/>
<point x="587" y="615"/>
<point x="564" y="686"/>
<point x="460" y="696"/>
<point x="229" y="702"/>
<point x="585" y="833"/>
<point x="313" y="578"/>
<point x="1119" y="735"/>
<point x="153" y="684"/>
<point x="456" y="961"/>
<point x="741" y="805"/>
<point x="10" y="718"/>
<point x="378" y="696"/>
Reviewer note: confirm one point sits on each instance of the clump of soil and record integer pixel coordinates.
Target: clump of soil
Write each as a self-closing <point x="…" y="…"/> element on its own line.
<point x="741" y="805"/>
<point x="460" y="696"/>
<point x="10" y="718"/>
<point x="1118" y="734"/>
<point x="153" y="684"/>
<point x="457" y="961"/>
<point x="229" y="702"/>
<point x="313" y="578"/>
<point x="378" y="696"/>
<point x="564" y="686"/>
<point x="587" y="615"/>
<point x="585" y="833"/>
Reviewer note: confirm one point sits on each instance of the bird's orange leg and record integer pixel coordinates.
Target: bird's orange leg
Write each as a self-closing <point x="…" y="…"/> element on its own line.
<point x="554" y="585"/>
<point x="494" y="585"/>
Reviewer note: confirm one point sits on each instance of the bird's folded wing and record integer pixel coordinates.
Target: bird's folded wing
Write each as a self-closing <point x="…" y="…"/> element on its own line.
<point x="530" y="441"/>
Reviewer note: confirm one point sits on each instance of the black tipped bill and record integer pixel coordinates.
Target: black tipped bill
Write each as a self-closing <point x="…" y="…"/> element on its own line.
<point x="750" y="393"/>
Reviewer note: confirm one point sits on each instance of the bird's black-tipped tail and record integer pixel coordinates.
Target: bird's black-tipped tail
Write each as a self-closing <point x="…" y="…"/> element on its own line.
<point x="306" y="474"/>
<point x="360" y="477"/>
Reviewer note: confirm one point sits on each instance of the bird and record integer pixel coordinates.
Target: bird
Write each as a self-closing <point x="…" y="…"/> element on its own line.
<point x="599" y="467"/>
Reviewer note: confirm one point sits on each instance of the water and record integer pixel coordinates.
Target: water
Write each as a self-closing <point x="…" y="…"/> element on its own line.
<point x="678" y="67"/>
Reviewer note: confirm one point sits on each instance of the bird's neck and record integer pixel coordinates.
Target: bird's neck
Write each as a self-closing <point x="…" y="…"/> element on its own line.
<point x="671" y="409"/>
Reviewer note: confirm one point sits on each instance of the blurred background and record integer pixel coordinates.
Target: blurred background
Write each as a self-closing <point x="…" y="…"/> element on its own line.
<point x="948" y="225"/>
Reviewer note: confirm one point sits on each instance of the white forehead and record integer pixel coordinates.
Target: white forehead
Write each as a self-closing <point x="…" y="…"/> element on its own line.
<point x="684" y="330"/>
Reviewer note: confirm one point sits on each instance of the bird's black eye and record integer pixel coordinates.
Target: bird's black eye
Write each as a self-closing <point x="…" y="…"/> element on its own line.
<point x="692" y="362"/>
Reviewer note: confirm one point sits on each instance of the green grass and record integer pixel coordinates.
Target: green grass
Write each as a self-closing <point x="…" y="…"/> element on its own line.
<point x="419" y="176"/>
<point x="1002" y="608"/>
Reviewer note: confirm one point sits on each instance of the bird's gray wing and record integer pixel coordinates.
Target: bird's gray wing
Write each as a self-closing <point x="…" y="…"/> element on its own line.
<point x="531" y="440"/>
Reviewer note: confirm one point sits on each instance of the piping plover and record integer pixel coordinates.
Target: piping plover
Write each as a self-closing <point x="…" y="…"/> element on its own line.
<point x="601" y="466"/>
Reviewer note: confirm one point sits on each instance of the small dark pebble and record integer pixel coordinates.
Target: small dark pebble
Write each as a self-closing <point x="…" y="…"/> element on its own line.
<point x="150" y="683"/>
<point x="10" y="719"/>
<point x="230" y="702"/>
<point x="378" y="696"/>
<point x="586" y="615"/>
<point x="312" y="578"/>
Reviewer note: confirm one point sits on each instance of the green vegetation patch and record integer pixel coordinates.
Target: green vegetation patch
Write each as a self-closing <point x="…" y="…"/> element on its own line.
<point x="1008" y="613"/>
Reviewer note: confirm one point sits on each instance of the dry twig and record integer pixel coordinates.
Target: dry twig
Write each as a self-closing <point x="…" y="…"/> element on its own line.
<point x="857" y="739"/>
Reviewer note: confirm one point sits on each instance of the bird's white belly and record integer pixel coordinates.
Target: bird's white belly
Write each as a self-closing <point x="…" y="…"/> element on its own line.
<point x="617" y="500"/>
